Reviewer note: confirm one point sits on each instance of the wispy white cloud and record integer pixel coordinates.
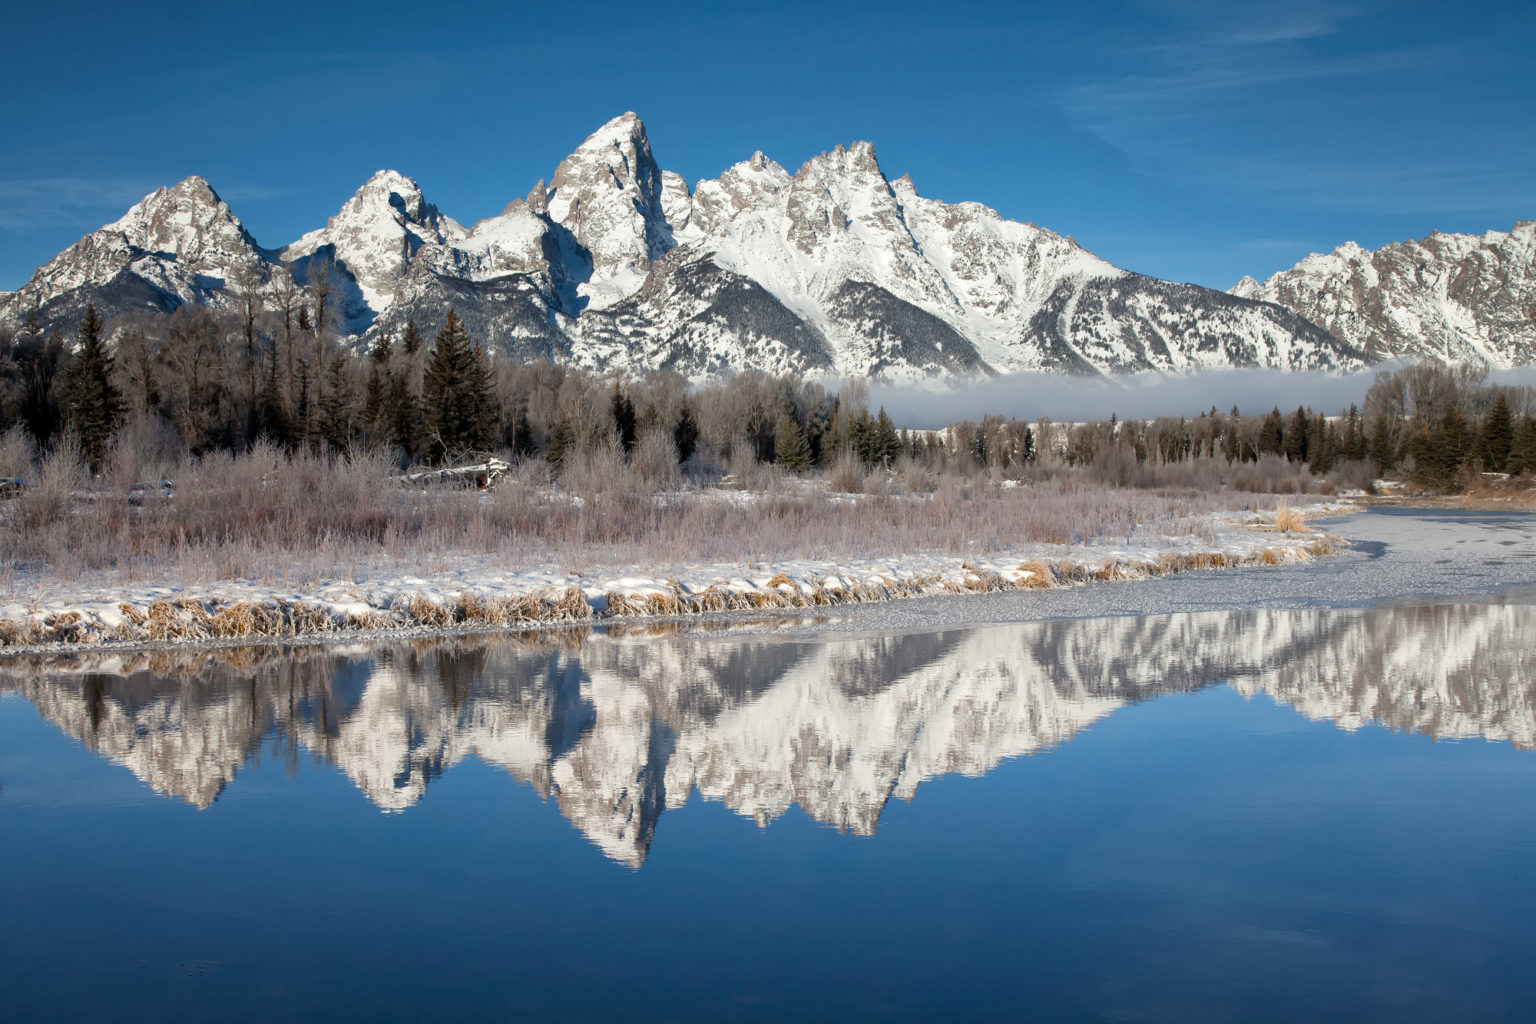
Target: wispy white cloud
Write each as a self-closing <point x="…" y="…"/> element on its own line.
<point x="30" y="204"/>
<point x="1296" y="106"/>
<point x="27" y="204"/>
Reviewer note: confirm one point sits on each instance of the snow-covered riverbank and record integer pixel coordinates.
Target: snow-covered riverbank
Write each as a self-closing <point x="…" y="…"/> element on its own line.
<point x="492" y="596"/>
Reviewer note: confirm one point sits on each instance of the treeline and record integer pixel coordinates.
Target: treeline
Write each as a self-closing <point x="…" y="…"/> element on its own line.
<point x="1433" y="424"/>
<point x="193" y="382"/>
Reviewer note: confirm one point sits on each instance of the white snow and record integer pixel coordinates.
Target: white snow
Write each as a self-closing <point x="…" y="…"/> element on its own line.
<point x="50" y="612"/>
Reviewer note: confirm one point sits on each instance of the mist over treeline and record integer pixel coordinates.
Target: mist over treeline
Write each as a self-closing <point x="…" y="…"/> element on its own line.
<point x="191" y="382"/>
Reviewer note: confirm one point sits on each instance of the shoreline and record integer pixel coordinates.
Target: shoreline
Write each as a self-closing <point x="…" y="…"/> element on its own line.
<point x="240" y="612"/>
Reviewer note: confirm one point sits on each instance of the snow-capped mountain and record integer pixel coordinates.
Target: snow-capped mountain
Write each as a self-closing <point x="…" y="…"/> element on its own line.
<point x="1453" y="298"/>
<point x="616" y="263"/>
<point x="177" y="245"/>
<point x="617" y="731"/>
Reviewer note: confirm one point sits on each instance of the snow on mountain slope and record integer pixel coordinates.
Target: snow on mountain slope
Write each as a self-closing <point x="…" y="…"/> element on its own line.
<point x="616" y="264"/>
<point x="373" y="239"/>
<point x="609" y="194"/>
<point x="176" y="245"/>
<point x="1447" y="297"/>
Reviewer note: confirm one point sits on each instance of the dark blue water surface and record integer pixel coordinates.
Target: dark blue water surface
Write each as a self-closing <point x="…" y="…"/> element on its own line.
<point x="1232" y="815"/>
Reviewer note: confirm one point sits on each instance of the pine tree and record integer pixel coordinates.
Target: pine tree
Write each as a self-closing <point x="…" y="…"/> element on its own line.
<point x="522" y="435"/>
<point x="685" y="436"/>
<point x="411" y="339"/>
<point x="1522" y="448"/>
<point x="1353" y="447"/>
<point x="887" y="445"/>
<point x="791" y="453"/>
<point x="624" y="423"/>
<point x="92" y="406"/>
<point x="374" y="394"/>
<point x="561" y="438"/>
<point x="405" y="420"/>
<point x="336" y="408"/>
<point x="1498" y="435"/>
<point x="456" y="393"/>
<point x="1322" y="445"/>
<point x="1272" y="433"/>
<point x="1298" y="437"/>
<point x="272" y="409"/>
<point x="383" y="347"/>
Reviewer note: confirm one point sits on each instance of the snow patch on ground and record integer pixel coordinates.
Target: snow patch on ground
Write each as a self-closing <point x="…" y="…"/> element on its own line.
<point x="488" y="595"/>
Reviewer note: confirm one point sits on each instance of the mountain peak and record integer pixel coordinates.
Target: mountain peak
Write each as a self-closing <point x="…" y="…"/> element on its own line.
<point x="608" y="193"/>
<point x="182" y="220"/>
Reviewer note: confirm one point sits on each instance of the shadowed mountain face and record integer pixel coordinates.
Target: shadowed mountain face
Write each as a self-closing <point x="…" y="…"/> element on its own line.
<point x="618" y="730"/>
<point x="616" y="263"/>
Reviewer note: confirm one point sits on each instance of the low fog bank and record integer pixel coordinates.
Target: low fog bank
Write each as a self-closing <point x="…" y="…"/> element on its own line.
<point x="1136" y="396"/>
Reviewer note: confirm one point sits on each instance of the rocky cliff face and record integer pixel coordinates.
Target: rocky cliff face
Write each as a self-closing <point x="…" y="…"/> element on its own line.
<point x="617" y="264"/>
<point x="618" y="731"/>
<point x="1455" y="298"/>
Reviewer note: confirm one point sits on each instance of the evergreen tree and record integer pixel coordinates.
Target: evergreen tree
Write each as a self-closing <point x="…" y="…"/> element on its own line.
<point x="1298" y="437"/>
<point x="1438" y="451"/>
<point x="374" y="393"/>
<point x="383" y="347"/>
<point x="1522" y="449"/>
<point x="336" y="407"/>
<point x="685" y="436"/>
<point x="404" y="416"/>
<point x="91" y="403"/>
<point x="791" y="452"/>
<point x="561" y="439"/>
<point x="1272" y="433"/>
<point x="456" y="393"/>
<point x="1353" y="445"/>
<point x="522" y="435"/>
<point x="624" y="423"/>
<point x="1498" y="435"/>
<point x="886" y="447"/>
<point x="411" y="338"/>
<point x="272" y="409"/>
<point x="1322" y="445"/>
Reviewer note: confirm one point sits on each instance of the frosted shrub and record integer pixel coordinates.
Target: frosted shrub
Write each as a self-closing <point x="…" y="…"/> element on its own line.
<point x="16" y="453"/>
<point x="61" y="473"/>
<point x="654" y="459"/>
<point x="847" y="474"/>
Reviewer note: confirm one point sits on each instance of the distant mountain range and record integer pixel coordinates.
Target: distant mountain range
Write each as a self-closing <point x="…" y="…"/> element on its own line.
<point x="834" y="269"/>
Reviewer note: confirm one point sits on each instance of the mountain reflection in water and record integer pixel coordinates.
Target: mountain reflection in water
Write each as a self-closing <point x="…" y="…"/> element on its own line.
<point x="617" y="729"/>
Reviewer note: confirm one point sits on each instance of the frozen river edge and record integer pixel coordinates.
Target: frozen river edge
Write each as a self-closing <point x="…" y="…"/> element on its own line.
<point x="59" y="617"/>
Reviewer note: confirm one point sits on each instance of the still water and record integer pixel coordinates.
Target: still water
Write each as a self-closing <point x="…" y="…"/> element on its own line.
<point x="1319" y="814"/>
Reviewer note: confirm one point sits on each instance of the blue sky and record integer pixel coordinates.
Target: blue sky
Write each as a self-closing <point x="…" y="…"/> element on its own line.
<point x="1190" y="140"/>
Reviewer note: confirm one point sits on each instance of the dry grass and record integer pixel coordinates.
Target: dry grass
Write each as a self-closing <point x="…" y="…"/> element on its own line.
<point x="1288" y="520"/>
<point x="291" y="522"/>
